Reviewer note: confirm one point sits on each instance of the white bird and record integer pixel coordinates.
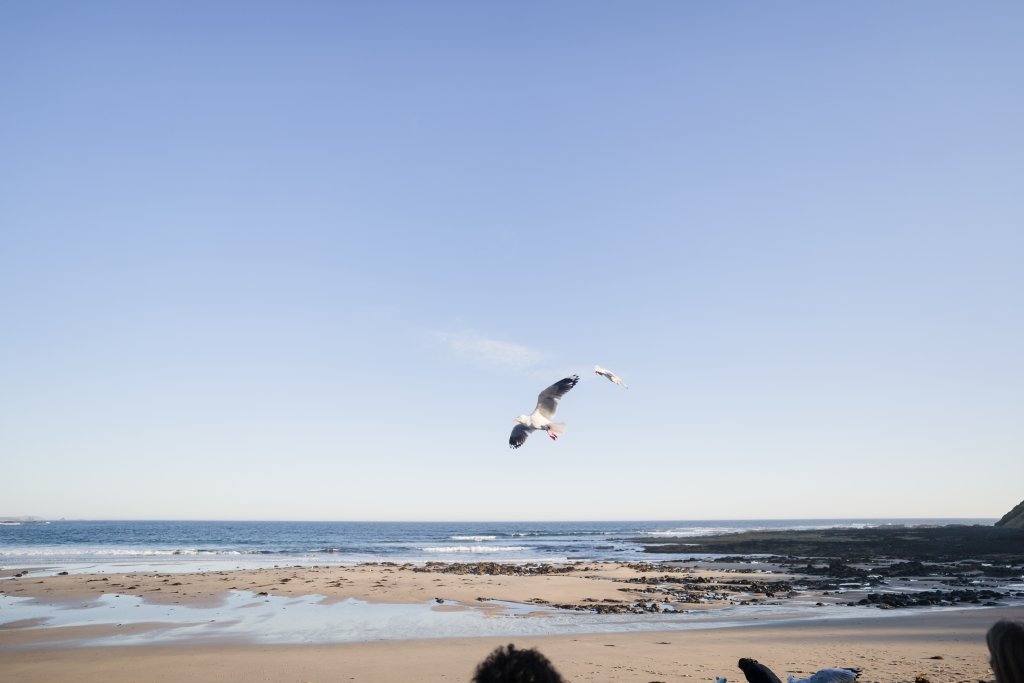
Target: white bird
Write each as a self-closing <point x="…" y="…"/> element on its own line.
<point x="605" y="372"/>
<point x="832" y="675"/>
<point x="547" y="403"/>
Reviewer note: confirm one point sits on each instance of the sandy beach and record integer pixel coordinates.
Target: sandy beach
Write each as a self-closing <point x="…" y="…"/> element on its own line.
<point x="785" y="632"/>
<point x="946" y="647"/>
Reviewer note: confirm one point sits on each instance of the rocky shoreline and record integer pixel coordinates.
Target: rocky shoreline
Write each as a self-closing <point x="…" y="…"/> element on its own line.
<point x="902" y="566"/>
<point x="679" y="587"/>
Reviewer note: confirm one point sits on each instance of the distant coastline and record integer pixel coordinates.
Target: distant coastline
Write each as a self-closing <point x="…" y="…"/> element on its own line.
<point x="15" y="520"/>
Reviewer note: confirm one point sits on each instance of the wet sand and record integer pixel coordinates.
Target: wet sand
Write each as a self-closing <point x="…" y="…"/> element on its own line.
<point x="941" y="645"/>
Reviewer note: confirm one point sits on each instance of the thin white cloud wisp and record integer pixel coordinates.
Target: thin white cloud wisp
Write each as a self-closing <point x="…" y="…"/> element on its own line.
<point x="480" y="349"/>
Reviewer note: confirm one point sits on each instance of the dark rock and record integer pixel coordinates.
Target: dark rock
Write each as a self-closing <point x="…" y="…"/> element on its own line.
<point x="927" y="598"/>
<point x="492" y="569"/>
<point x="924" y="543"/>
<point x="1014" y="519"/>
<point x="914" y="568"/>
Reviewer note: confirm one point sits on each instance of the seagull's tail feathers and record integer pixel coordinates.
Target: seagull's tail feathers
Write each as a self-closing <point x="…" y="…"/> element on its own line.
<point x="557" y="428"/>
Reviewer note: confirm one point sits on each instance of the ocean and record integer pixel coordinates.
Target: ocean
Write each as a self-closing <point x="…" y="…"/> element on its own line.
<point x="79" y="546"/>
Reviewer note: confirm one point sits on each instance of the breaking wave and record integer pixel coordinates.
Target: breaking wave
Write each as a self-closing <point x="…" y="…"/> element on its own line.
<point x="476" y="549"/>
<point x="689" y="531"/>
<point x="118" y="552"/>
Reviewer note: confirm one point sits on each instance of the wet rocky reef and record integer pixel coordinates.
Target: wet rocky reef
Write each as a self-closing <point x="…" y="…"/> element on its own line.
<point x="886" y="567"/>
<point x="923" y="543"/>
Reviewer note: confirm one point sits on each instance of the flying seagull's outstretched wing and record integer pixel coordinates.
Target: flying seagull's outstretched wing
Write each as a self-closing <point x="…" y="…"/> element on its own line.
<point x="605" y="372"/>
<point x="547" y="401"/>
<point x="519" y="434"/>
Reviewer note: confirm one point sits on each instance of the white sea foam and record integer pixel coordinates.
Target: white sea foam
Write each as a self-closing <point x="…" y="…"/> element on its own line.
<point x="472" y="538"/>
<point x="79" y="551"/>
<point x="689" y="531"/>
<point x="475" y="549"/>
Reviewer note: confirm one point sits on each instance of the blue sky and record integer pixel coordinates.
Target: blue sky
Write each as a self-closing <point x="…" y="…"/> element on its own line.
<point x="308" y="260"/>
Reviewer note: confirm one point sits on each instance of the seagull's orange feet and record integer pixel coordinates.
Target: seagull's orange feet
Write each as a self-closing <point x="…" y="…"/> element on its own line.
<point x="554" y="437"/>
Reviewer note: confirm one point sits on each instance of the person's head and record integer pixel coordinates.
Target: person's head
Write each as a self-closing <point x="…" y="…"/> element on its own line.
<point x="509" y="665"/>
<point x="1006" y="646"/>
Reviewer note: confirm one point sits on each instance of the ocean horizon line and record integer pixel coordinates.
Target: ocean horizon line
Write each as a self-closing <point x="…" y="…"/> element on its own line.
<point x="604" y="520"/>
<point x="879" y="518"/>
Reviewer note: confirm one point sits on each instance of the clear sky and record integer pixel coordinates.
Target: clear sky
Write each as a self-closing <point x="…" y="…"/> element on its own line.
<point x="308" y="260"/>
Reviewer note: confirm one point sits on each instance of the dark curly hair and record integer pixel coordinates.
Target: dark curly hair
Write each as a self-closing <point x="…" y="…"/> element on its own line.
<point x="509" y="665"/>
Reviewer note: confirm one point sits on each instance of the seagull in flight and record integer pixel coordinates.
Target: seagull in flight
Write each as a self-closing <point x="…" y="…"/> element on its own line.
<point x="547" y="403"/>
<point x="605" y="372"/>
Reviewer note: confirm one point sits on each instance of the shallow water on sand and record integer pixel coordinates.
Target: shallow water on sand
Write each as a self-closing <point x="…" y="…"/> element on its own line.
<point x="246" y="616"/>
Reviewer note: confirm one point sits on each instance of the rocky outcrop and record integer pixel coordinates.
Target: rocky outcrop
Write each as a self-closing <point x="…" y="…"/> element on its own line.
<point x="1014" y="519"/>
<point x="933" y="598"/>
<point x="950" y="543"/>
<point x="494" y="568"/>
